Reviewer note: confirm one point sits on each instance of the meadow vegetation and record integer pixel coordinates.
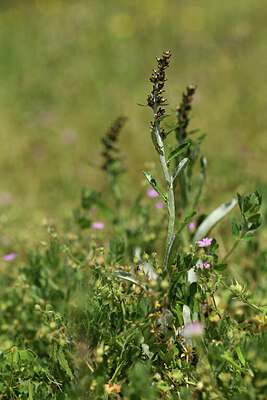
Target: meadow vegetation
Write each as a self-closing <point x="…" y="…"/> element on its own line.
<point x="133" y="253"/>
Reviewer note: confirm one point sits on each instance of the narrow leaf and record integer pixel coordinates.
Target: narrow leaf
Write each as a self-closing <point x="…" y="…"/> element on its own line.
<point x="128" y="277"/>
<point x="240" y="198"/>
<point x="186" y="315"/>
<point x="154" y="140"/>
<point x="240" y="355"/>
<point x="172" y="250"/>
<point x="186" y="221"/>
<point x="142" y="105"/>
<point x="212" y="219"/>
<point x="153" y="183"/>
<point x="235" y="228"/>
<point x="177" y="152"/>
<point x="180" y="167"/>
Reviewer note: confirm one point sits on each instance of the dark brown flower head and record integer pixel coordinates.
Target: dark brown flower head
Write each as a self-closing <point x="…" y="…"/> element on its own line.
<point x="182" y="112"/>
<point x="109" y="142"/>
<point x="155" y="99"/>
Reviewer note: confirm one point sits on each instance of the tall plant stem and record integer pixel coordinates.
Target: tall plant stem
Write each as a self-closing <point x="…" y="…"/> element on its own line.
<point x="167" y="176"/>
<point x="236" y="243"/>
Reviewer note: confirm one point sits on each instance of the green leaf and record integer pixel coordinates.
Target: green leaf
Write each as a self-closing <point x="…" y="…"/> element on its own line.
<point x="240" y="355"/>
<point x="142" y="307"/>
<point x="235" y="228"/>
<point x="193" y="131"/>
<point x="154" y="140"/>
<point x="186" y="221"/>
<point x="180" y="167"/>
<point x="247" y="237"/>
<point x="230" y="360"/>
<point x="240" y="198"/>
<point x="256" y="221"/>
<point x="170" y="131"/>
<point x="177" y="152"/>
<point x="142" y="105"/>
<point x="172" y="251"/>
<point x="179" y="314"/>
<point x="153" y="183"/>
<point x="128" y="277"/>
<point x="220" y="267"/>
<point x="30" y="390"/>
<point x="212" y="219"/>
<point x="64" y="363"/>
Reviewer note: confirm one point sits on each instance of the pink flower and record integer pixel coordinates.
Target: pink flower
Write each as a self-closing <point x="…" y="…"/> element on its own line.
<point x="10" y="257"/>
<point x="204" y="265"/>
<point x="205" y="242"/>
<point x="160" y="205"/>
<point x="192" y="226"/>
<point x="152" y="193"/>
<point x="97" y="225"/>
<point x="193" y="330"/>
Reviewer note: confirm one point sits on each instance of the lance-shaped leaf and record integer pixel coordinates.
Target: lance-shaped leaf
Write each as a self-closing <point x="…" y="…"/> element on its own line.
<point x="212" y="219"/>
<point x="186" y="315"/>
<point x="177" y="152"/>
<point x="186" y="221"/>
<point x="154" y="140"/>
<point x="128" y="277"/>
<point x="180" y="167"/>
<point x="172" y="250"/>
<point x="153" y="183"/>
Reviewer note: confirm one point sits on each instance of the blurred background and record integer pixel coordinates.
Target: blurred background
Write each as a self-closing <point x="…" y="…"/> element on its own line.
<point x="69" y="68"/>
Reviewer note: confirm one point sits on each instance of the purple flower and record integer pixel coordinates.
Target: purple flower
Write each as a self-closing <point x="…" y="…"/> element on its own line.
<point x="193" y="330"/>
<point x="152" y="193"/>
<point x="192" y="226"/>
<point x="204" y="265"/>
<point x="10" y="257"/>
<point x="205" y="242"/>
<point x="97" y="225"/>
<point x="160" y="205"/>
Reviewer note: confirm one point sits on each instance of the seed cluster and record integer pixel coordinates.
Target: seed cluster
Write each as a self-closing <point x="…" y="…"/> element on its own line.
<point x="155" y="99"/>
<point x="183" y="111"/>
<point x="109" y="141"/>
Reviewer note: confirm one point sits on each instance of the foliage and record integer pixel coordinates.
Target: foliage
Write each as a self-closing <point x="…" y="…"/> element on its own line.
<point x="128" y="320"/>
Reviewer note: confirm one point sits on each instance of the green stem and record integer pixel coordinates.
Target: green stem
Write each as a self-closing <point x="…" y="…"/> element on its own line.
<point x="127" y="331"/>
<point x="117" y="196"/>
<point x="236" y="243"/>
<point x="168" y="178"/>
<point x="242" y="298"/>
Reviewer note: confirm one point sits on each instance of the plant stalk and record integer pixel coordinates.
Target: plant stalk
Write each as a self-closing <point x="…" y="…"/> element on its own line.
<point x="167" y="176"/>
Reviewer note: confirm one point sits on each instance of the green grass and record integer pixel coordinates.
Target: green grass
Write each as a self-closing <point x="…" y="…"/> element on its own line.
<point x="75" y="66"/>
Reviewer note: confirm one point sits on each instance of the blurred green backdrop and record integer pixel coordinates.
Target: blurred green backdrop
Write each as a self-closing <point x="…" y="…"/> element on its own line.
<point x="68" y="68"/>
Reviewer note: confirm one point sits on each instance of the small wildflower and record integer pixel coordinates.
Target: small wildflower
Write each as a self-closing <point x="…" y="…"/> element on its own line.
<point x="204" y="265"/>
<point x="160" y="205"/>
<point x="193" y="330"/>
<point x="192" y="226"/>
<point x="205" y="242"/>
<point x="10" y="257"/>
<point x="152" y="193"/>
<point x="97" y="225"/>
